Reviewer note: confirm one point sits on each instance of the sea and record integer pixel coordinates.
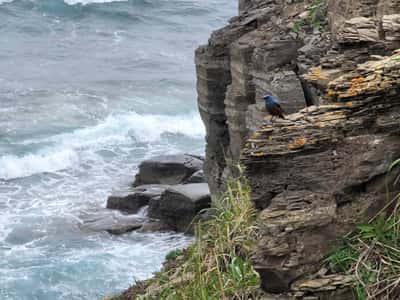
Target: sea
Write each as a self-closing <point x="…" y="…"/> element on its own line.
<point x="88" y="90"/>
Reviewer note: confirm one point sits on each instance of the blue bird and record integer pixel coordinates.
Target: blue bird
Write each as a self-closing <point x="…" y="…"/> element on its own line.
<point x="273" y="107"/>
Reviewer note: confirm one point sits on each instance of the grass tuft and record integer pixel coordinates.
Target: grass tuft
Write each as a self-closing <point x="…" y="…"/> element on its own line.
<point x="217" y="265"/>
<point x="371" y="254"/>
<point x="316" y="10"/>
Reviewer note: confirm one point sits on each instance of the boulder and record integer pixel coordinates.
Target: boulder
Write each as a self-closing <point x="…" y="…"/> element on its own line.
<point x="197" y="177"/>
<point x="133" y="199"/>
<point x="111" y="221"/>
<point x="180" y="204"/>
<point x="152" y="225"/>
<point x="168" y="169"/>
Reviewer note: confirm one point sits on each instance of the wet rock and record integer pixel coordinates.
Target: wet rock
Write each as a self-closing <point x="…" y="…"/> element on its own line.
<point x="180" y="204"/>
<point x="110" y="221"/>
<point x="197" y="177"/>
<point x="133" y="199"/>
<point x="154" y="226"/>
<point x="168" y="169"/>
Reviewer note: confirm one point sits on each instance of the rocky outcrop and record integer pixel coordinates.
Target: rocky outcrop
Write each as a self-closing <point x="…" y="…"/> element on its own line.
<point x="179" y="205"/>
<point x="174" y="194"/>
<point x="111" y="221"/>
<point x="133" y="199"/>
<point x="197" y="177"/>
<point x="339" y="82"/>
<point x="168" y="169"/>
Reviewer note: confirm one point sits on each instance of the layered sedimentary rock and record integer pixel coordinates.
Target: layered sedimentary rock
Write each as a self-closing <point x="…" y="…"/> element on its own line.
<point x="323" y="169"/>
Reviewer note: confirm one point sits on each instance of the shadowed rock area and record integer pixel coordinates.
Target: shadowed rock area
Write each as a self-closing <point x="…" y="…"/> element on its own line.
<point x="180" y="204"/>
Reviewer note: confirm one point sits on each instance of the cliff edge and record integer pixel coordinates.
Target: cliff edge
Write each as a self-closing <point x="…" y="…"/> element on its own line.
<point x="336" y="69"/>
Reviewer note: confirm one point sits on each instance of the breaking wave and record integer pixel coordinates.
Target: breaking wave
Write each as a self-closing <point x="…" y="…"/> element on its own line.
<point x="73" y="2"/>
<point x="12" y="166"/>
<point x="125" y="129"/>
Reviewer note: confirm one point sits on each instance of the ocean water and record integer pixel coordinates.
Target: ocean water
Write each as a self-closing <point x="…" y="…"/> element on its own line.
<point x="88" y="89"/>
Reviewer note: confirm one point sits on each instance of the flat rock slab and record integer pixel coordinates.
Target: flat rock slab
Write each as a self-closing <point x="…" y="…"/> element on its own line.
<point x="133" y="199"/>
<point x="197" y="177"/>
<point x="111" y="221"/>
<point x="180" y="204"/>
<point x="167" y="169"/>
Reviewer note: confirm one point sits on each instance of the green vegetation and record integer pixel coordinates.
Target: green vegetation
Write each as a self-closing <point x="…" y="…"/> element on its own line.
<point x="216" y="266"/>
<point x="372" y="254"/>
<point x="174" y="254"/>
<point x="315" y="12"/>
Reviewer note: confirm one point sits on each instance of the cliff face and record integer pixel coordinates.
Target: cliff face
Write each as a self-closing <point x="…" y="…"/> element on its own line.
<point x="315" y="175"/>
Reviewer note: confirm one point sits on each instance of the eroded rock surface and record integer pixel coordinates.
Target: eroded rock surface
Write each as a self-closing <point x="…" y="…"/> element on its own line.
<point x="180" y="204"/>
<point x="110" y="221"/>
<point x="167" y="169"/>
<point x="133" y="199"/>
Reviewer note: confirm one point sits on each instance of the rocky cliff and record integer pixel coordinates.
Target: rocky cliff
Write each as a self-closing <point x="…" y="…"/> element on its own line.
<point x="335" y="68"/>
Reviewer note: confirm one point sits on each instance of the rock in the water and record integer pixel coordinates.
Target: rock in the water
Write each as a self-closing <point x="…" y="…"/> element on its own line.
<point x="168" y="169"/>
<point x="110" y="221"/>
<point x="133" y="199"/>
<point x="154" y="226"/>
<point x="197" y="177"/>
<point x="180" y="204"/>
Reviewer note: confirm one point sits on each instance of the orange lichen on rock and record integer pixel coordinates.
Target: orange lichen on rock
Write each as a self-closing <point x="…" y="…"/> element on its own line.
<point x="318" y="124"/>
<point x="370" y="77"/>
<point x="258" y="154"/>
<point x="315" y="74"/>
<point x="357" y="85"/>
<point x="297" y="143"/>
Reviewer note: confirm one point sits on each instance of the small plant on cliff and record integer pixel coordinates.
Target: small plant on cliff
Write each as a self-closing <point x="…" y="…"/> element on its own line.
<point x="372" y="254"/>
<point x="315" y="17"/>
<point x="174" y="254"/>
<point x="216" y="266"/>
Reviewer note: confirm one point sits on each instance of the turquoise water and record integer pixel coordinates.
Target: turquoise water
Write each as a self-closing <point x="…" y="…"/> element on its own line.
<point x="87" y="91"/>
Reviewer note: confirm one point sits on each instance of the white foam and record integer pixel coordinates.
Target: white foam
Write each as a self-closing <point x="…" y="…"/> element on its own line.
<point x="123" y="129"/>
<point x="12" y="166"/>
<point x="84" y="2"/>
<point x="74" y="2"/>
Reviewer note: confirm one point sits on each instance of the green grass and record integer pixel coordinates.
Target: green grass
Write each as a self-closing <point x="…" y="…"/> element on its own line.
<point x="217" y="265"/>
<point x="316" y="8"/>
<point x="174" y="254"/>
<point x="371" y="254"/>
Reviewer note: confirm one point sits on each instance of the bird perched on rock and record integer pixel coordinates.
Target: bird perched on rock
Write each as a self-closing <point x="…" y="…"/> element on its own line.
<point x="273" y="107"/>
